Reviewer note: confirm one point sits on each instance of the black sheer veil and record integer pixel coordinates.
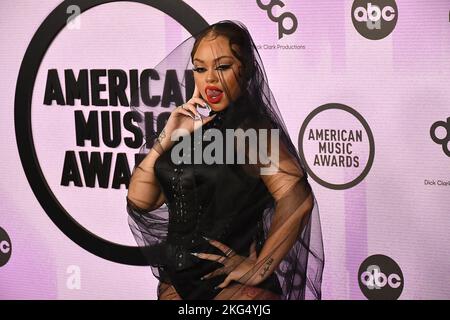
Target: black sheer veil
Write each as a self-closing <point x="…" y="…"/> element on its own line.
<point x="292" y="214"/>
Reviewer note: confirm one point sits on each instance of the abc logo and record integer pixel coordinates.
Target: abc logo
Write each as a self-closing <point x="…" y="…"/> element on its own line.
<point x="445" y="141"/>
<point x="375" y="14"/>
<point x="373" y="278"/>
<point x="380" y="278"/>
<point x="374" y="19"/>
<point x="5" y="247"/>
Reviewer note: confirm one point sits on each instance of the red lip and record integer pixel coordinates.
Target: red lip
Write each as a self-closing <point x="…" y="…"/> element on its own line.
<point x="215" y="99"/>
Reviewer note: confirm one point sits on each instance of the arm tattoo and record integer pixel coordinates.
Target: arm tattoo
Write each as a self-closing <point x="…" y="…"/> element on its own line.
<point x="161" y="137"/>
<point x="266" y="267"/>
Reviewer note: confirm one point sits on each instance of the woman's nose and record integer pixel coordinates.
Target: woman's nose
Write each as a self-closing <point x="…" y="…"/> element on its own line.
<point x="211" y="76"/>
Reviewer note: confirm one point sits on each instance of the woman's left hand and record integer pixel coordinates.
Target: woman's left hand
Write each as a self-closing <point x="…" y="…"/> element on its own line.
<point x="238" y="268"/>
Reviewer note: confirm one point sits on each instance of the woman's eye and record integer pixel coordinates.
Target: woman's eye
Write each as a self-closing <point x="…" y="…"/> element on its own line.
<point x="199" y="69"/>
<point x="223" y="66"/>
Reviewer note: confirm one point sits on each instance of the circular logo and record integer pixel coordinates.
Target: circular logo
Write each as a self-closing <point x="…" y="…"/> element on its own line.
<point x="374" y="19"/>
<point x="344" y="150"/>
<point x="42" y="39"/>
<point x="5" y="247"/>
<point x="380" y="278"/>
<point x="444" y="139"/>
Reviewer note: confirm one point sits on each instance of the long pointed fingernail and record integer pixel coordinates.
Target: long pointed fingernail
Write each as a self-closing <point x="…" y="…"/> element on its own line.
<point x="194" y="254"/>
<point x="206" y="238"/>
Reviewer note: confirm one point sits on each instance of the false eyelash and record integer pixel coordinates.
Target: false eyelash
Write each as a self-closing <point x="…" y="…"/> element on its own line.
<point x="197" y="69"/>
<point x="224" y="66"/>
<point x="220" y="67"/>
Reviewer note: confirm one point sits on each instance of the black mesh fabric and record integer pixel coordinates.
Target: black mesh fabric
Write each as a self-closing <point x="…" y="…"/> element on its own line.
<point x="176" y="207"/>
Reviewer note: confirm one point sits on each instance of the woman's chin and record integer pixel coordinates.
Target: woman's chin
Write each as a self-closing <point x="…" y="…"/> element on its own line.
<point x="218" y="107"/>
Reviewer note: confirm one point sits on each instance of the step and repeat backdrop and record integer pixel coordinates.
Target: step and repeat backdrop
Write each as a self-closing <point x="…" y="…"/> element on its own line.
<point x="364" y="89"/>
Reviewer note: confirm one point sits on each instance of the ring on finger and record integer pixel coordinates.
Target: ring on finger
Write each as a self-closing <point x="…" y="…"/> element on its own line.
<point x="229" y="252"/>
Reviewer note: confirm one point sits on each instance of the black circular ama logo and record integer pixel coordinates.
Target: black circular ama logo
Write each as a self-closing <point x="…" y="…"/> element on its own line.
<point x="380" y="278"/>
<point x="5" y="247"/>
<point x="374" y="19"/>
<point x="49" y="29"/>
<point x="336" y="147"/>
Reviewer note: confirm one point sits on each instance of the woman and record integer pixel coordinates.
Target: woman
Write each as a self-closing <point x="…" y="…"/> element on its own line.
<point x="238" y="225"/>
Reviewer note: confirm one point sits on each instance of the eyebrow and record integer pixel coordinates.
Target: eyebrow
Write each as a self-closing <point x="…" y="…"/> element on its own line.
<point x="199" y="60"/>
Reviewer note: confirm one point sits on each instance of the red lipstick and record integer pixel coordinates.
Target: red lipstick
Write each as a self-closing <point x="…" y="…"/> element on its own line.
<point x="213" y="94"/>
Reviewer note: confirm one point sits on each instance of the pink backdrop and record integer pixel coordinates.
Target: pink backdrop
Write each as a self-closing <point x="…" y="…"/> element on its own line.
<point x="399" y="85"/>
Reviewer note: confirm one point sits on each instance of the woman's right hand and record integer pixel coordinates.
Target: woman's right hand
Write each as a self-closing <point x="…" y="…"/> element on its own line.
<point x="186" y="116"/>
